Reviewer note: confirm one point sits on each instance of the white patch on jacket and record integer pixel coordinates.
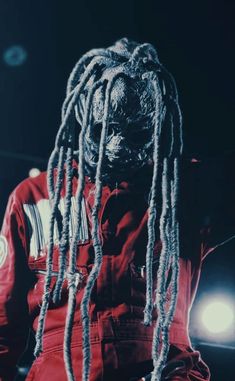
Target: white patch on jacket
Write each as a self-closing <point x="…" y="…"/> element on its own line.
<point x="3" y="250"/>
<point x="38" y="220"/>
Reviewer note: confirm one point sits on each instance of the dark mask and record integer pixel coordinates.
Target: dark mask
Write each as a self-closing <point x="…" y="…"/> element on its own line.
<point x="129" y="140"/>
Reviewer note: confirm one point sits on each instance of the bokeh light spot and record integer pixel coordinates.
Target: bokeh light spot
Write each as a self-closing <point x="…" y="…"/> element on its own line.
<point x="34" y="172"/>
<point x="15" y="55"/>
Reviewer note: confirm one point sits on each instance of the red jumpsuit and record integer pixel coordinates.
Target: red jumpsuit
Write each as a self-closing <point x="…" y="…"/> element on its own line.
<point x="120" y="343"/>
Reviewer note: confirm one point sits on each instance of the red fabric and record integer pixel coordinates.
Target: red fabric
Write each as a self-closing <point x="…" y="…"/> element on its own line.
<point x="118" y="336"/>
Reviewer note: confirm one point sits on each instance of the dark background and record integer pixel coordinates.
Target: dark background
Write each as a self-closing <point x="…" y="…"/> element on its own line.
<point x="195" y="41"/>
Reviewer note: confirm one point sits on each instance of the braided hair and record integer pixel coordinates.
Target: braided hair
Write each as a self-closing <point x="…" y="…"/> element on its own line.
<point x="127" y="59"/>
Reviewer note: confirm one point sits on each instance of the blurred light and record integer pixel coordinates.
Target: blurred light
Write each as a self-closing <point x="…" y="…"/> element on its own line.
<point x="217" y="316"/>
<point x="194" y="160"/>
<point x="15" y="55"/>
<point x="34" y="172"/>
<point x="23" y="370"/>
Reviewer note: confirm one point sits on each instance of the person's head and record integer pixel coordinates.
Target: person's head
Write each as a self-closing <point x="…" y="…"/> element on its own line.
<point x="125" y="91"/>
<point x="129" y="138"/>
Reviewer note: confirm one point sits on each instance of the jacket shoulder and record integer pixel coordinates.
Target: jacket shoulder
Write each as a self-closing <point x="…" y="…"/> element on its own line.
<point x="31" y="190"/>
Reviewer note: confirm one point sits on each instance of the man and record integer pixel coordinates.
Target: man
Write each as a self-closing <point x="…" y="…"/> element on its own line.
<point x="99" y="255"/>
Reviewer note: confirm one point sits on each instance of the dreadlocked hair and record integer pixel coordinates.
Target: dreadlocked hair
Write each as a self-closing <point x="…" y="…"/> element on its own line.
<point x="130" y="60"/>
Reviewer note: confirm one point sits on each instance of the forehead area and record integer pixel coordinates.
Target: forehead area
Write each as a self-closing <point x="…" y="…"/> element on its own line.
<point x="130" y="100"/>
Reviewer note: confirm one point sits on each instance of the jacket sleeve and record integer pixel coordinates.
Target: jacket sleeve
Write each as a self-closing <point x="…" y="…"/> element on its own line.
<point x="14" y="282"/>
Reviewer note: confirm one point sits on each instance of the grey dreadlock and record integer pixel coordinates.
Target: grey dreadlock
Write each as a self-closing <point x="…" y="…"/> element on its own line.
<point x="101" y="70"/>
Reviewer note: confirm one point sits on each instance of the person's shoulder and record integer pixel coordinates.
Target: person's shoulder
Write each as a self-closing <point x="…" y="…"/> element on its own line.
<point x="31" y="189"/>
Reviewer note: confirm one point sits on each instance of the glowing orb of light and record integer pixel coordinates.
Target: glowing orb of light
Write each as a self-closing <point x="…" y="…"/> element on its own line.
<point x="34" y="172"/>
<point x="217" y="317"/>
<point x="15" y="55"/>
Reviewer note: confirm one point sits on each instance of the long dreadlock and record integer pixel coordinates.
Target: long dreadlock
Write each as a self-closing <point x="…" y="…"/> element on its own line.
<point x="140" y="62"/>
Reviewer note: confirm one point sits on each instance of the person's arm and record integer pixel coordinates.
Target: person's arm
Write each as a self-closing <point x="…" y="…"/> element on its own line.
<point x="14" y="283"/>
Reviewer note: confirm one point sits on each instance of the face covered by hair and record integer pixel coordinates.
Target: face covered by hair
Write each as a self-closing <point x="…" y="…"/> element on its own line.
<point x="129" y="141"/>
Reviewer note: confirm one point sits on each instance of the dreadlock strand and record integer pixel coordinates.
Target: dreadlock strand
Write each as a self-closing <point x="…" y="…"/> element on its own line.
<point x="166" y="317"/>
<point x="172" y="136"/>
<point x="163" y="260"/>
<point x="49" y="264"/>
<point x="66" y="102"/>
<point x="152" y="210"/>
<point x="180" y="128"/>
<point x="172" y="231"/>
<point x="52" y="163"/>
<point x="173" y="98"/>
<point x="89" y="71"/>
<point x="63" y="224"/>
<point x="53" y="160"/>
<point x="70" y="101"/>
<point x="175" y="251"/>
<point x="162" y="357"/>
<point x="85" y="60"/>
<point x="73" y="278"/>
<point x="148" y="50"/>
<point x="176" y="147"/>
<point x="159" y="358"/>
<point x="64" y="242"/>
<point x="95" y="237"/>
<point x="163" y="233"/>
<point x="71" y="273"/>
<point x="78" y="68"/>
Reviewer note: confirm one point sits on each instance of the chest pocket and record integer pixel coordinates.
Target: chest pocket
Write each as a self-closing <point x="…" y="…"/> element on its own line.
<point x="38" y="223"/>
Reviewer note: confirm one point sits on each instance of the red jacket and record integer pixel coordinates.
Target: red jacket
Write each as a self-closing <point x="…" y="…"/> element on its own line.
<point x="118" y="298"/>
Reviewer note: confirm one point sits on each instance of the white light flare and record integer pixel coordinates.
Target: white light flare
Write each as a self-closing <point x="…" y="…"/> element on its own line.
<point x="217" y="316"/>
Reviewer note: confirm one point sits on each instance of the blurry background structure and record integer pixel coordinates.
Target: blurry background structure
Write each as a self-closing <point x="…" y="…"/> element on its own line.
<point x="39" y="44"/>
